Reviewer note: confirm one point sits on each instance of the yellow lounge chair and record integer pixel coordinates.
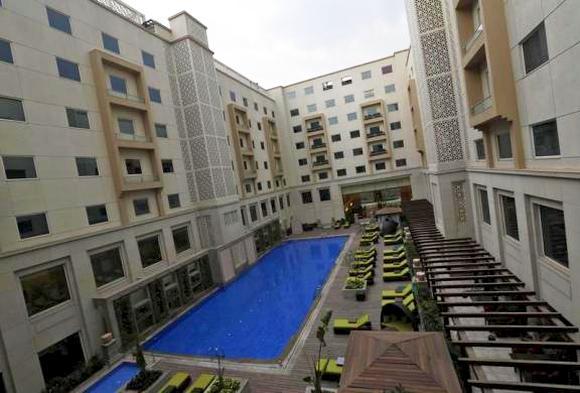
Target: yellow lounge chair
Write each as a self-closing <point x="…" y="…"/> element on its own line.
<point x="395" y="266"/>
<point x="202" y="382"/>
<point x="330" y="369"/>
<point x="395" y="250"/>
<point x="345" y="326"/>
<point x="396" y="275"/>
<point x="399" y="232"/>
<point x="177" y="383"/>
<point x="399" y="292"/>
<point x="393" y="241"/>
<point x="394" y="257"/>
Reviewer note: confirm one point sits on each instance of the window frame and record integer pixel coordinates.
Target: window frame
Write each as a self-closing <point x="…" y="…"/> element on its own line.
<point x="144" y="54"/>
<point x="22" y="109"/>
<point x="48" y="229"/>
<point x="60" y="62"/>
<point x="68" y="30"/>
<point x="178" y="200"/>
<point x="10" y="58"/>
<point x="526" y="71"/>
<point x="502" y="195"/>
<point x="5" y="175"/>
<point x="533" y="140"/>
<point x="497" y="145"/>
<point x="40" y="269"/>
<point x="104" y="249"/>
<point x="537" y="204"/>
<point x="159" y="237"/>
<point x="96" y="165"/>
<point x="111" y="40"/>
<point x="481" y="211"/>
<point x="187" y="228"/>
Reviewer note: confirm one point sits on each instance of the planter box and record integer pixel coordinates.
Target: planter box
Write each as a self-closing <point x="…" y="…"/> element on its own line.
<point x="244" y="385"/>
<point x="355" y="294"/>
<point x="310" y="389"/>
<point x="155" y="387"/>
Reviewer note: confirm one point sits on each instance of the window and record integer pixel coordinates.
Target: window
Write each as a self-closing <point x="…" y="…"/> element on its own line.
<point x="110" y="43"/>
<point x="308" y="90"/>
<point x="265" y="165"/>
<point x="19" y="167"/>
<point x="311" y="108"/>
<point x="395" y="125"/>
<point x="335" y="138"/>
<point x="369" y="93"/>
<point x="181" y="239"/>
<point x="306" y="197"/>
<point x="259" y="184"/>
<point x="379" y="166"/>
<point x="389" y="88"/>
<point x="535" y="48"/>
<point x="302" y="162"/>
<point x="387" y="69"/>
<point x="484" y="202"/>
<point x="263" y="147"/>
<point x="248" y="185"/>
<point x="553" y="231"/>
<point x="355" y="134"/>
<point x="77" y="118"/>
<point x="299" y="145"/>
<point x="62" y="359"/>
<point x="365" y="75"/>
<point x="327" y="86"/>
<point x="305" y="178"/>
<point x="349" y="98"/>
<point x="273" y="205"/>
<point x="297" y="129"/>
<point x="346" y="80"/>
<point x="148" y="59"/>
<point x="45" y="289"/>
<point x="32" y="225"/>
<point x="87" y="166"/>
<point x="393" y="107"/>
<point x="232" y="96"/>
<point x="68" y="69"/>
<point x="243" y="214"/>
<point x="333" y="120"/>
<point x="401" y="162"/>
<point x="291" y="95"/>
<point x="118" y="84"/>
<point x="510" y="217"/>
<point x="281" y="202"/>
<point x="107" y="266"/>
<point x="479" y="149"/>
<point x="141" y="206"/>
<point x="6" y="52"/>
<point x="361" y="169"/>
<point x="160" y="130"/>
<point x="324" y="194"/>
<point x="149" y="250"/>
<point x="253" y="213"/>
<point x="167" y="166"/>
<point x="357" y="152"/>
<point x="97" y="214"/>
<point x="259" y="125"/>
<point x="58" y="20"/>
<point x="323" y="176"/>
<point x="265" y="110"/>
<point x="133" y="166"/>
<point x="398" y="144"/>
<point x="173" y="200"/>
<point x="341" y="172"/>
<point x="504" y="145"/>
<point x="154" y="95"/>
<point x="351" y="116"/>
<point x="245" y="101"/>
<point x="11" y="109"/>
<point x="264" y="208"/>
<point x="330" y="103"/>
<point x="126" y="126"/>
<point x="546" y="142"/>
<point x="294" y="112"/>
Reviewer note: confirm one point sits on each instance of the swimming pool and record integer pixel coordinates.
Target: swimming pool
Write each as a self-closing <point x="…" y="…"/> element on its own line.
<point x="115" y="379"/>
<point x="255" y="316"/>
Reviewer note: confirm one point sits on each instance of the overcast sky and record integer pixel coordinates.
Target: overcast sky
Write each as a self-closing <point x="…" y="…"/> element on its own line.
<point x="278" y="42"/>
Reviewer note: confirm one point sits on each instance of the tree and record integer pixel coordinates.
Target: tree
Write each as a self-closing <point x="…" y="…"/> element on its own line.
<point x="139" y="357"/>
<point x="316" y="378"/>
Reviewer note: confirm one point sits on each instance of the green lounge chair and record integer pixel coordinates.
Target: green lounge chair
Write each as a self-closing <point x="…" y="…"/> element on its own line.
<point x="396" y="275"/>
<point x="398" y="325"/>
<point x="178" y="382"/>
<point x="395" y="250"/>
<point x="395" y="266"/>
<point x="201" y="383"/>
<point x="393" y="241"/>
<point x="330" y="369"/>
<point x="409" y="303"/>
<point x="364" y="255"/>
<point x="356" y="272"/>
<point x="345" y="326"/>
<point x="399" y="292"/>
<point x="398" y="233"/>
<point x="394" y="257"/>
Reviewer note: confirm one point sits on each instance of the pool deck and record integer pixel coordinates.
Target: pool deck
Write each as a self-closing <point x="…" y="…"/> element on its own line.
<point x="288" y="379"/>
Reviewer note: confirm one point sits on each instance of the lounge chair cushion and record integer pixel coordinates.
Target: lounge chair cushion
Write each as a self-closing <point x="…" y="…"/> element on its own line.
<point x="398" y="292"/>
<point x="330" y="367"/>
<point x="203" y="381"/>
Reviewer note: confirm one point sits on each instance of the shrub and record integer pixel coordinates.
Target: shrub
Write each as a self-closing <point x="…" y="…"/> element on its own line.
<point x="143" y="380"/>
<point x="354" y="283"/>
<point x="74" y="379"/>
<point x="228" y="385"/>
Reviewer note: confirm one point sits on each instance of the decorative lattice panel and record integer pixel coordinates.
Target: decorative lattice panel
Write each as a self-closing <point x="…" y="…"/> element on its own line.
<point x="442" y="97"/>
<point x="187" y="89"/>
<point x="204" y="184"/>
<point x="435" y="53"/>
<point x="448" y="140"/>
<point x="459" y="199"/>
<point x="429" y="15"/>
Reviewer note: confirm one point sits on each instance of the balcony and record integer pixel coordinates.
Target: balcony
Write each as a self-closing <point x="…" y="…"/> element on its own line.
<point x="482" y="106"/>
<point x="126" y="100"/>
<point x="246" y="152"/>
<point x="317" y="147"/>
<point x="378" y="154"/>
<point x="315" y="128"/>
<point x="473" y="38"/>
<point x="371" y="116"/>
<point x="141" y="182"/>
<point x="376" y="135"/>
<point x="320" y="164"/>
<point x="132" y="141"/>
<point x="249" y="174"/>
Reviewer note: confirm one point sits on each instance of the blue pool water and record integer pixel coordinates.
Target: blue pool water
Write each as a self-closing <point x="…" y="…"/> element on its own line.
<point x="115" y="379"/>
<point x="255" y="316"/>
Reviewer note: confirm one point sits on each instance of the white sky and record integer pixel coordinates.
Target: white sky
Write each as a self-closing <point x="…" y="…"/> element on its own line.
<point x="278" y="42"/>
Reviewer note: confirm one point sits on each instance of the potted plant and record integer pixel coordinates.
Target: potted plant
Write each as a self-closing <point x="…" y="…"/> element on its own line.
<point x="315" y="379"/>
<point x="223" y="384"/>
<point x="146" y="379"/>
<point x="355" y="288"/>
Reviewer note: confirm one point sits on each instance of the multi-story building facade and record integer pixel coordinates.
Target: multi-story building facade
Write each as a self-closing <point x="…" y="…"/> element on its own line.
<point x="506" y="71"/>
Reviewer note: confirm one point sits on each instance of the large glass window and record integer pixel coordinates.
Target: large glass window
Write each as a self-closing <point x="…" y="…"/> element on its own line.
<point x="554" y="234"/>
<point x="141" y="206"/>
<point x="32" y="225"/>
<point x="6" y="52"/>
<point x="97" y="214"/>
<point x="44" y="289"/>
<point x="155" y="95"/>
<point x="77" y="118"/>
<point x="87" y="166"/>
<point x="535" y="48"/>
<point x="62" y="359"/>
<point x="546" y="142"/>
<point x="11" y="109"/>
<point x="479" y="149"/>
<point x="161" y="130"/>
<point x="110" y="43"/>
<point x="253" y="213"/>
<point x="148" y="59"/>
<point x="181" y="239"/>
<point x="133" y="166"/>
<point x="173" y="200"/>
<point x="504" y="146"/>
<point x="306" y="197"/>
<point x="484" y="206"/>
<point x="510" y="217"/>
<point x="107" y="266"/>
<point x="19" y="167"/>
<point x="58" y="20"/>
<point x="118" y="84"/>
<point x="126" y="126"/>
<point x="324" y="194"/>
<point x="149" y="250"/>
<point x="264" y="207"/>
<point x="67" y="69"/>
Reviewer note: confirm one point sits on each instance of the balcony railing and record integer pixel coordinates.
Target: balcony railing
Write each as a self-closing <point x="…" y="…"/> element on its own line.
<point x="317" y="146"/>
<point x="314" y="129"/>
<point x="482" y="106"/>
<point x="140" y="179"/>
<point x="375" y="134"/>
<point x="128" y="97"/>
<point x="132" y="137"/>
<point x="377" y="152"/>
<point x="373" y="115"/>
<point x="319" y="162"/>
<point x="473" y="37"/>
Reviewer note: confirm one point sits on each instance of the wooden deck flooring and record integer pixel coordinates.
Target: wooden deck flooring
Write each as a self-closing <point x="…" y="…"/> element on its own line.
<point x="289" y="380"/>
